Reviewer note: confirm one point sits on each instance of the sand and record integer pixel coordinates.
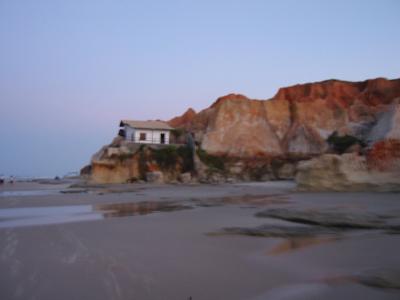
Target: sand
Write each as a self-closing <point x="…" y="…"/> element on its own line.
<point x="167" y="242"/>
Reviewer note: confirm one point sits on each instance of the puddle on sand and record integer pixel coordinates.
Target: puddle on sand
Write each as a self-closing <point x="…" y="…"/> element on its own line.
<point x="30" y="216"/>
<point x="28" y="193"/>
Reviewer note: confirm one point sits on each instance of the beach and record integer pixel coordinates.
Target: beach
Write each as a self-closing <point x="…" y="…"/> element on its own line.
<point x="196" y="241"/>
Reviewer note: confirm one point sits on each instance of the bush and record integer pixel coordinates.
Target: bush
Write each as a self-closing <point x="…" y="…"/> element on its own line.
<point x="170" y="156"/>
<point x="212" y="161"/>
<point x="166" y="157"/>
<point x="341" y="143"/>
<point x="187" y="158"/>
<point x="142" y="163"/>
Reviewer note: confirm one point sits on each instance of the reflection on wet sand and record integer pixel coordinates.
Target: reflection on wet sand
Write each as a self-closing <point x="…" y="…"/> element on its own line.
<point x="297" y="243"/>
<point x="46" y="215"/>
<point x="254" y="200"/>
<point x="140" y="208"/>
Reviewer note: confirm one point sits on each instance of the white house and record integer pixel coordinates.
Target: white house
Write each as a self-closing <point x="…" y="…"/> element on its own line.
<point x="145" y="132"/>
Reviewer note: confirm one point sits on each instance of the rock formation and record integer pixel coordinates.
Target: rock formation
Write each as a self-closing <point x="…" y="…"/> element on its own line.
<point x="347" y="172"/>
<point x="122" y="162"/>
<point x="377" y="170"/>
<point x="387" y="125"/>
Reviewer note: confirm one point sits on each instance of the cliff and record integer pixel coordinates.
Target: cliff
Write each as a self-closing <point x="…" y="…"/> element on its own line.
<point x="296" y="121"/>
<point x="122" y="162"/>
<point x="238" y="138"/>
<point x="181" y="121"/>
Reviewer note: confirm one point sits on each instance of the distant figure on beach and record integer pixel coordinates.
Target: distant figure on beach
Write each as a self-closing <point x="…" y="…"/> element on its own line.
<point x="12" y="179"/>
<point x="1" y="180"/>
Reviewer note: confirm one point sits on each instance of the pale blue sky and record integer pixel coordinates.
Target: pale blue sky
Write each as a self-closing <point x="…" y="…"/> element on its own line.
<point x="70" y="70"/>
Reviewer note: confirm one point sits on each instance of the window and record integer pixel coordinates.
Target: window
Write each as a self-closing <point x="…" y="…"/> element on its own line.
<point x="142" y="136"/>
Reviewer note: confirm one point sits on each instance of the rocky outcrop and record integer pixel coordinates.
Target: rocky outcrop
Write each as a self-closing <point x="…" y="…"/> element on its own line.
<point x="86" y="171"/>
<point x="155" y="177"/>
<point x="378" y="169"/>
<point x="384" y="156"/>
<point x="122" y="162"/>
<point x="348" y="172"/>
<point x="240" y="128"/>
<point x="185" y="177"/>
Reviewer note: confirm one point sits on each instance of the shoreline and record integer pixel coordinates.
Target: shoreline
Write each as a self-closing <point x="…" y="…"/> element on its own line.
<point x="170" y="242"/>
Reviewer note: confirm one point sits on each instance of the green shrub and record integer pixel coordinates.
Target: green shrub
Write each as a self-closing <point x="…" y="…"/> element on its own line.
<point x="166" y="157"/>
<point x="142" y="163"/>
<point x="170" y="156"/>
<point x="212" y="161"/>
<point x="186" y="154"/>
<point x="341" y="143"/>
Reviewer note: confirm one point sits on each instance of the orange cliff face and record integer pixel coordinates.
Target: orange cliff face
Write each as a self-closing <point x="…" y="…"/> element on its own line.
<point x="186" y="118"/>
<point x="296" y="121"/>
<point x="371" y="92"/>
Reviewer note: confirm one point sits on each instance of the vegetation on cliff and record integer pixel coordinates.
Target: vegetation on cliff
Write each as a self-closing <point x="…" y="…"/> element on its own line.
<point x="341" y="143"/>
<point x="169" y="157"/>
<point x="214" y="162"/>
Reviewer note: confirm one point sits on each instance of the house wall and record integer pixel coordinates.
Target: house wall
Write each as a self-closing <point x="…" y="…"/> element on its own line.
<point x="129" y="133"/>
<point x="152" y="136"/>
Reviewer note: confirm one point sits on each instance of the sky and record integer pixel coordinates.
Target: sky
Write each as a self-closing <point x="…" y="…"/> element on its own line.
<point x="70" y="70"/>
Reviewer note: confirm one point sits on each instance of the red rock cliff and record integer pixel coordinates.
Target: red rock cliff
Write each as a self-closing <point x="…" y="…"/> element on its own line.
<point x="297" y="120"/>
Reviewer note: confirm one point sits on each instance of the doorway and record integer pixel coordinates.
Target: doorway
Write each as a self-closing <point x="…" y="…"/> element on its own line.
<point x="162" y="138"/>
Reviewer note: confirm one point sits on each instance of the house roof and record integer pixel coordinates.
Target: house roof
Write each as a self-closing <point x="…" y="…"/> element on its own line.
<point x="146" y="124"/>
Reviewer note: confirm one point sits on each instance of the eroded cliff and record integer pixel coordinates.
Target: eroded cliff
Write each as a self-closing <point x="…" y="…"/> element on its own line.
<point x="296" y="121"/>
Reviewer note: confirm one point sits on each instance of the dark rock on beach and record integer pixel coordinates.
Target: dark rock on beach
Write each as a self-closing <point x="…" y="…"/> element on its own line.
<point x="334" y="218"/>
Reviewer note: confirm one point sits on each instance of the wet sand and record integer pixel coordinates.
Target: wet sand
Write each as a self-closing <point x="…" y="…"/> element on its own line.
<point x="168" y="242"/>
